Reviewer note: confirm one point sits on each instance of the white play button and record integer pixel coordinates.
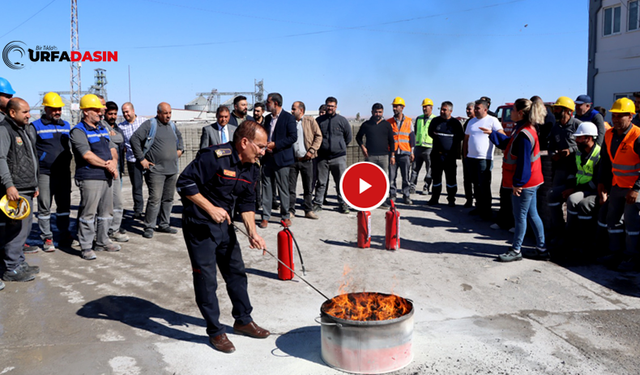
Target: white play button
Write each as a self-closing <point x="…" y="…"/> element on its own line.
<point x="364" y="186"/>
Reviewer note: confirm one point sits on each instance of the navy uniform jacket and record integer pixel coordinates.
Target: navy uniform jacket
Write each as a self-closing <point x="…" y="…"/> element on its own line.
<point x="218" y="174"/>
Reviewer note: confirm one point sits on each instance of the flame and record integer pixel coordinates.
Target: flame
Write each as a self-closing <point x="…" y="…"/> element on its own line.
<point x="367" y="306"/>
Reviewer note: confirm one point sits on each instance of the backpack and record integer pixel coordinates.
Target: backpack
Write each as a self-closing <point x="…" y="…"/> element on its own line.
<point x="152" y="135"/>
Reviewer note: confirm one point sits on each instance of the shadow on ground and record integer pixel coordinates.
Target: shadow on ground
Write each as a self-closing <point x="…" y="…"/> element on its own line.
<point x="303" y="343"/>
<point x="138" y="313"/>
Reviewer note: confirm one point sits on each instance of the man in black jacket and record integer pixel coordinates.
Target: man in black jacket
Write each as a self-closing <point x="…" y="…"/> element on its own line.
<point x="447" y="135"/>
<point x="239" y="114"/>
<point x="332" y="156"/>
<point x="378" y="144"/>
<point x="18" y="178"/>
<point x="282" y="134"/>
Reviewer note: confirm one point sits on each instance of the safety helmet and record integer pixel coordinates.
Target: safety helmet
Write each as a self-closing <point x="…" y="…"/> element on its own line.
<point x="427" y="101"/>
<point x="586" y="128"/>
<point x="90" y="101"/>
<point x="5" y="87"/>
<point x="15" y="210"/>
<point x="53" y="100"/>
<point x="398" y="101"/>
<point x="566" y="102"/>
<point x="623" y="105"/>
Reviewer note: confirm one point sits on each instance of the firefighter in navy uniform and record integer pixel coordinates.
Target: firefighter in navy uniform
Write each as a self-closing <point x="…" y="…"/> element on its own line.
<point x="219" y="179"/>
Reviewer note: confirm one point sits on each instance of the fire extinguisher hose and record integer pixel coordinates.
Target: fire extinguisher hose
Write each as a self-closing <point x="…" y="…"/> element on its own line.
<point x="304" y="271"/>
<point x="281" y="262"/>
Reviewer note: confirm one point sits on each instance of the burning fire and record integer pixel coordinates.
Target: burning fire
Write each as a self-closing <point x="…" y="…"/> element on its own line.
<point x="367" y="306"/>
<point x="364" y="306"/>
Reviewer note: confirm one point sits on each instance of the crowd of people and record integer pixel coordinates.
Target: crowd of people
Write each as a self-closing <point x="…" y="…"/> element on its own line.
<point x="248" y="164"/>
<point x="571" y="134"/>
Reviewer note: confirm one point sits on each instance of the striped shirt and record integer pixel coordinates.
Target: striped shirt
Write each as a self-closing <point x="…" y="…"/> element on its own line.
<point x="128" y="129"/>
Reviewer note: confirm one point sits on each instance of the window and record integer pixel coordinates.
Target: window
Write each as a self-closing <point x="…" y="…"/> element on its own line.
<point x="612" y="20"/>
<point x="634" y="16"/>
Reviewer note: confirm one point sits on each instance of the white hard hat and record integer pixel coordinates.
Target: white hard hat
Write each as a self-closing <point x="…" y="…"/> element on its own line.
<point x="587" y="128"/>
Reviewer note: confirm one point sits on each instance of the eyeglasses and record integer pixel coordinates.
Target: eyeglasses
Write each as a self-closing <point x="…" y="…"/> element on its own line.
<point x="261" y="148"/>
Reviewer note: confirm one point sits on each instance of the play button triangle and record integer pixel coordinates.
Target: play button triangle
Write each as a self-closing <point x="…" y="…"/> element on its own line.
<point x="364" y="186"/>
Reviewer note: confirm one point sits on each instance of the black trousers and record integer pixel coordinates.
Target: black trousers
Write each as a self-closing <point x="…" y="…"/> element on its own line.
<point x="210" y="244"/>
<point x="446" y="163"/>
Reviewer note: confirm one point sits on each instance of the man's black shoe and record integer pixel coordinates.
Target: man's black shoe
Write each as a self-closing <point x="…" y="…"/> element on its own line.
<point x="29" y="269"/>
<point x="137" y="216"/>
<point x="432" y="202"/>
<point x="167" y="230"/>
<point x="148" y="233"/>
<point x="18" y="274"/>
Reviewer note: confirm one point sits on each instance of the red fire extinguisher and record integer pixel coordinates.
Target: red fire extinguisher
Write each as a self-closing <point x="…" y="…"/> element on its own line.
<point x="285" y="254"/>
<point x="364" y="229"/>
<point x="392" y="229"/>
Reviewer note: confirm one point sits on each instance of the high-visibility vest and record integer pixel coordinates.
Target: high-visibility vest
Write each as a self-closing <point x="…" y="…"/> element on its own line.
<point x="584" y="175"/>
<point x="626" y="164"/>
<point x="422" y="131"/>
<point x="510" y="161"/>
<point x="401" y="136"/>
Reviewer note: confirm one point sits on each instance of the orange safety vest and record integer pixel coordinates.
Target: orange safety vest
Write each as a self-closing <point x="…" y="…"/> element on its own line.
<point x="401" y="137"/>
<point x="510" y="161"/>
<point x="626" y="164"/>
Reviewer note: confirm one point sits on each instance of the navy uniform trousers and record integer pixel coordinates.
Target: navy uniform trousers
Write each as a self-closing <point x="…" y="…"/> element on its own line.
<point x="209" y="244"/>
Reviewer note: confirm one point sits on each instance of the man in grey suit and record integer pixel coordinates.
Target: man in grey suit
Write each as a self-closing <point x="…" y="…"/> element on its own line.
<point x="219" y="132"/>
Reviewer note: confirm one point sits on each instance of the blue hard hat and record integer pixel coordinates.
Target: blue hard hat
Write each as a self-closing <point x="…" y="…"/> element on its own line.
<point x="5" y="87"/>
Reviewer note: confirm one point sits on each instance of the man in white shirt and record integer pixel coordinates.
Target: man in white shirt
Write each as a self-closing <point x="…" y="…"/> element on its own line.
<point x="479" y="153"/>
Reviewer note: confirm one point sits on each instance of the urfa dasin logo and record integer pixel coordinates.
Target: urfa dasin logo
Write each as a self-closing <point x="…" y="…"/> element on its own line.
<point x="14" y="52"/>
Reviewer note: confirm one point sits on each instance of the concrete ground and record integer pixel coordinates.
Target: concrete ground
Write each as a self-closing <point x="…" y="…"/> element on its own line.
<point x="133" y="312"/>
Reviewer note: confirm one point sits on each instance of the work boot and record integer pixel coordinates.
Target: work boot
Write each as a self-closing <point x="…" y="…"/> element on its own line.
<point x="510" y="256"/>
<point x="344" y="209"/>
<point x="148" y="233"/>
<point x="317" y="208"/>
<point x="287" y="222"/>
<point x="263" y="224"/>
<point x="251" y="330"/>
<point x="48" y="246"/>
<point x="167" y="230"/>
<point x="18" y="274"/>
<point x="222" y="343"/>
<point x="629" y="265"/>
<point x="137" y="216"/>
<point x="29" y="269"/>
<point x="28" y="249"/>
<point x="118" y="236"/>
<point x="311" y="215"/>
<point x="407" y="200"/>
<point x="110" y="247"/>
<point x="88" y="254"/>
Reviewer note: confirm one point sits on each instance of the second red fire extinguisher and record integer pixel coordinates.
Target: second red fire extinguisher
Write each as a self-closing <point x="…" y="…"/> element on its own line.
<point x="392" y="228"/>
<point x="285" y="254"/>
<point x="364" y="229"/>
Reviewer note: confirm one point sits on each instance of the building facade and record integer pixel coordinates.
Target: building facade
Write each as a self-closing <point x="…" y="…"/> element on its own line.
<point x="614" y="50"/>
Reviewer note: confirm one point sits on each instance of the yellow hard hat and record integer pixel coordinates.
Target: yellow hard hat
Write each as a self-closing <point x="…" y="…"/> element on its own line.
<point x="566" y="102"/>
<point x="623" y="105"/>
<point x="427" y="101"/>
<point x="52" y="99"/>
<point x="15" y="210"/>
<point x="90" y="101"/>
<point x="398" y="101"/>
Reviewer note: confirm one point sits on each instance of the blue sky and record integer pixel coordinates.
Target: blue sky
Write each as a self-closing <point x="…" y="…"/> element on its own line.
<point x="361" y="52"/>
